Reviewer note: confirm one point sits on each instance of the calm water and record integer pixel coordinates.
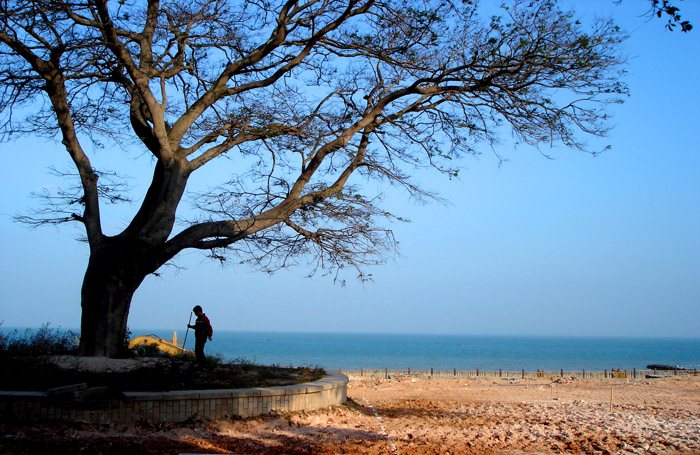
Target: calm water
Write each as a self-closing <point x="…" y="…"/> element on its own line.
<point x="445" y="352"/>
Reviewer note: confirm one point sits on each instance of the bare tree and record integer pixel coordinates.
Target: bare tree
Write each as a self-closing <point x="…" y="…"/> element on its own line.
<point x="308" y="100"/>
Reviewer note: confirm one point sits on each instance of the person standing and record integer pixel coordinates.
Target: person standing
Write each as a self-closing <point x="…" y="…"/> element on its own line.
<point x="202" y="331"/>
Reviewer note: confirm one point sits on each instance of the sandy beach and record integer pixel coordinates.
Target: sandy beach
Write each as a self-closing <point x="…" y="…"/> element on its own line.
<point x="419" y="416"/>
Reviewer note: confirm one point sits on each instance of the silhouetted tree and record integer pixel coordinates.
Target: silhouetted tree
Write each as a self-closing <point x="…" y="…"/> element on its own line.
<point x="307" y="100"/>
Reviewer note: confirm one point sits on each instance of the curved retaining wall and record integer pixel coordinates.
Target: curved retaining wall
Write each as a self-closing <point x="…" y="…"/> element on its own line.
<point x="176" y="406"/>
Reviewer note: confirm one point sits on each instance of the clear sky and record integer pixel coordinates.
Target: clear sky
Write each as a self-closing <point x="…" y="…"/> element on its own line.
<point x="576" y="245"/>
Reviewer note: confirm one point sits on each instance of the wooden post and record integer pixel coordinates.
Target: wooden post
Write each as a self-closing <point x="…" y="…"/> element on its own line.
<point x="584" y="374"/>
<point x="409" y="371"/>
<point x="362" y="372"/>
<point x="634" y="373"/>
<point x="386" y="373"/>
<point x="500" y="373"/>
<point x="606" y="374"/>
<point x="455" y="371"/>
<point x="175" y="337"/>
<point x="477" y="372"/>
<point x="431" y="372"/>
<point x="561" y="372"/>
<point x="611" y="397"/>
<point x="523" y="373"/>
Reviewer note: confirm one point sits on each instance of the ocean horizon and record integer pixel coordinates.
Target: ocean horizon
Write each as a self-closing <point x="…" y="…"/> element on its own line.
<point x="352" y="351"/>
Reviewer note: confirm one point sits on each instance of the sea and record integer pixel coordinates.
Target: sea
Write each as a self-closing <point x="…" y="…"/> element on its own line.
<point x="353" y="351"/>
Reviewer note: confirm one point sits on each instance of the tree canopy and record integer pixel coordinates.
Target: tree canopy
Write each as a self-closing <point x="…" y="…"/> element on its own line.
<point x="302" y="104"/>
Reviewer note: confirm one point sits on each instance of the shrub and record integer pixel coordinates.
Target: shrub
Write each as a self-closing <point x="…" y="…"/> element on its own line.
<point x="44" y="341"/>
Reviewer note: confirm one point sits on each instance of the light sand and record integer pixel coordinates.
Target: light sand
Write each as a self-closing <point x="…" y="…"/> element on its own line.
<point x="425" y="416"/>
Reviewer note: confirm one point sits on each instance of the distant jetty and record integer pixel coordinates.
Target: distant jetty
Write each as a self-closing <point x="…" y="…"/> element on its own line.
<point x="656" y="366"/>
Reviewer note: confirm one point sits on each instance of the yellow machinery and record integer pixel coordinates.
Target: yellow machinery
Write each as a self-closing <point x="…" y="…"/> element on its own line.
<point x="172" y="347"/>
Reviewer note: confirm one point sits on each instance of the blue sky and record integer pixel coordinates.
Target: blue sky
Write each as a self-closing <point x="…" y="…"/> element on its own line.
<point x="575" y="245"/>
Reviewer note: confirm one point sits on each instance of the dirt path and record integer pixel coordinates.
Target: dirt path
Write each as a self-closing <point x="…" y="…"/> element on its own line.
<point x="423" y="416"/>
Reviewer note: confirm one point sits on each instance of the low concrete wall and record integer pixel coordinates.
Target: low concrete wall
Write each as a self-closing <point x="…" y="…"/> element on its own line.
<point x="177" y="406"/>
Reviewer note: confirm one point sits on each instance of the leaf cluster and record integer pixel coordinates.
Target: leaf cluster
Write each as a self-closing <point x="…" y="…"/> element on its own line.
<point x="664" y="7"/>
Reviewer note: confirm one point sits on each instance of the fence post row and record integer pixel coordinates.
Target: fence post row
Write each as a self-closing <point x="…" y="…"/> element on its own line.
<point x="612" y="374"/>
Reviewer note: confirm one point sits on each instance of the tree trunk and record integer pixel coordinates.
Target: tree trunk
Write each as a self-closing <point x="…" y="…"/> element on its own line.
<point x="113" y="275"/>
<point x="118" y="265"/>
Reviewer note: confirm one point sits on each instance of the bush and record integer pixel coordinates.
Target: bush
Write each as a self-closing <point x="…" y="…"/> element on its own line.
<point x="147" y="350"/>
<point x="27" y="356"/>
<point x="44" y="341"/>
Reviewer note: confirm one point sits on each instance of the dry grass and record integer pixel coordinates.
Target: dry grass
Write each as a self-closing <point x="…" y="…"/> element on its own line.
<point x="37" y="361"/>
